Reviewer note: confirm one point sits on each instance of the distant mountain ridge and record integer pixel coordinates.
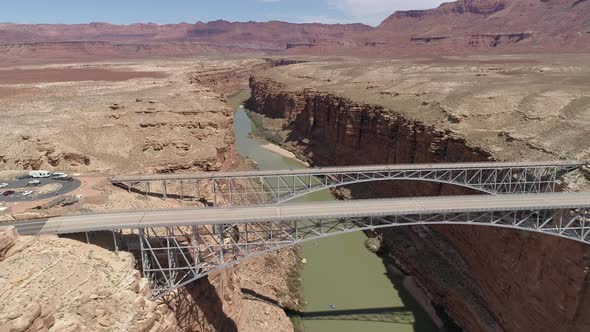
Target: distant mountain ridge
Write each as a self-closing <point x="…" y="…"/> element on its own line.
<point x="273" y="34"/>
<point x="460" y="27"/>
<point x="476" y="26"/>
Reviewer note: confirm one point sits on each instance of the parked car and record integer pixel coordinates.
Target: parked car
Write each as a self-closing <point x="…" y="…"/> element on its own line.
<point x="3" y="185"/>
<point x="8" y="193"/>
<point x="65" y="178"/>
<point x="27" y="193"/>
<point x="34" y="183"/>
<point x="39" y="174"/>
<point x="59" y="175"/>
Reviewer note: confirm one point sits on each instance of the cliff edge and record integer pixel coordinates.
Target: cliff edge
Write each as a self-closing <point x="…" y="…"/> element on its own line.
<point x="52" y="284"/>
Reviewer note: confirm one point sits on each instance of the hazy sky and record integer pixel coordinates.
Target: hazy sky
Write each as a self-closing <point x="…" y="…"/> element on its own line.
<point x="174" y="11"/>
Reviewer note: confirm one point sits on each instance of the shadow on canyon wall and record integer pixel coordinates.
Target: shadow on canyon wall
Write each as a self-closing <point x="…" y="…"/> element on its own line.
<point x="198" y="307"/>
<point x="397" y="280"/>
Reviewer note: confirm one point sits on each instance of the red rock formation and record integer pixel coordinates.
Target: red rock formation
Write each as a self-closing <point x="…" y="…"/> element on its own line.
<point x="273" y="35"/>
<point x="464" y="26"/>
<point x="476" y="26"/>
<point x="513" y="25"/>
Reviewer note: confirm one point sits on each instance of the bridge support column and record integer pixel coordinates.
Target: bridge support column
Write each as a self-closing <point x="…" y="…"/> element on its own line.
<point x="230" y="192"/>
<point x="214" y="185"/>
<point x="221" y="243"/>
<point x="246" y="239"/>
<point x="246" y="189"/>
<point x="115" y="240"/>
<point x="142" y="255"/>
<point x="195" y="247"/>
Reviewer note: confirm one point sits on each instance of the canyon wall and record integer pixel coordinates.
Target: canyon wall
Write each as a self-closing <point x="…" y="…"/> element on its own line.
<point x="224" y="81"/>
<point x="487" y="279"/>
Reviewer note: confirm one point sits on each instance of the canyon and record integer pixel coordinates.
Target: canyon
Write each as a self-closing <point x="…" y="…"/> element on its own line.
<point x="471" y="80"/>
<point x="173" y="116"/>
<point x="468" y="109"/>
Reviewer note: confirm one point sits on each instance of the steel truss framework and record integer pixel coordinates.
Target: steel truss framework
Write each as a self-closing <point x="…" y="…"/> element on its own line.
<point x="175" y="256"/>
<point x="255" y="189"/>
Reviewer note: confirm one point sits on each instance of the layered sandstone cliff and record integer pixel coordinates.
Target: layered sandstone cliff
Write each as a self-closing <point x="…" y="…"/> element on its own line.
<point x="409" y="112"/>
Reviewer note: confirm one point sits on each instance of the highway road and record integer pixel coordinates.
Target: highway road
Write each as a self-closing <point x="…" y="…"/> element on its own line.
<point x="349" y="169"/>
<point x="338" y="209"/>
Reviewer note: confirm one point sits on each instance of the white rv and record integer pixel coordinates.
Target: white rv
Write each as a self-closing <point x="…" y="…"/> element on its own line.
<point x="39" y="174"/>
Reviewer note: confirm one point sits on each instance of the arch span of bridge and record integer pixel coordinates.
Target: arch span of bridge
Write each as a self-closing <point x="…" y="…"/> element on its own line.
<point x="179" y="246"/>
<point x="275" y="187"/>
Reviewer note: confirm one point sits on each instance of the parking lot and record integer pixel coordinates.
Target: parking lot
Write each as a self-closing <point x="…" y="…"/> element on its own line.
<point x="46" y="188"/>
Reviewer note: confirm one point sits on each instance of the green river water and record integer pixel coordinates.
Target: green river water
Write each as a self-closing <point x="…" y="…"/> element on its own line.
<point x="339" y="270"/>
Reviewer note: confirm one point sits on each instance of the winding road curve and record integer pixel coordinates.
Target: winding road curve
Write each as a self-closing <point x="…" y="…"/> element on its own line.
<point x="65" y="187"/>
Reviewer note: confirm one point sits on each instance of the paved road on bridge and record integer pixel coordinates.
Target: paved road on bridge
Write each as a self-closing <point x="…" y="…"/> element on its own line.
<point x="339" y="209"/>
<point x="347" y="169"/>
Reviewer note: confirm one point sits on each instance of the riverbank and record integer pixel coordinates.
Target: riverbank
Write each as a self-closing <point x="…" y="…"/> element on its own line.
<point x="283" y="152"/>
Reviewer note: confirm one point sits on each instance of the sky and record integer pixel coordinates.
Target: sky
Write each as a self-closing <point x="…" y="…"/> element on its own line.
<point x="370" y="12"/>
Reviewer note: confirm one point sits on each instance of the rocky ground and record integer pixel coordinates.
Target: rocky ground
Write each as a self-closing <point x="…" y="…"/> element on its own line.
<point x="136" y="117"/>
<point x="149" y="124"/>
<point x="447" y="110"/>
<point x="51" y="284"/>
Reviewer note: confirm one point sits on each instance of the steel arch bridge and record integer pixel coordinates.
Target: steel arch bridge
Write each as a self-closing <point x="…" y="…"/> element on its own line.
<point x="226" y="245"/>
<point x="275" y="187"/>
<point x="177" y="247"/>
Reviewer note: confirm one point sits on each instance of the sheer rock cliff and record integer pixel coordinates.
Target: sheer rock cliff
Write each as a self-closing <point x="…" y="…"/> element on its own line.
<point x="406" y="112"/>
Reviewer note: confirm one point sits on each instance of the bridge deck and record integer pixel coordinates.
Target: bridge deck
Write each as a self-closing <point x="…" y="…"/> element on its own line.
<point x="339" y="209"/>
<point x="340" y="169"/>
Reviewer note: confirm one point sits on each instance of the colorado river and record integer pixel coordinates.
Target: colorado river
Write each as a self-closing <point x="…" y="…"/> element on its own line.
<point x="346" y="287"/>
